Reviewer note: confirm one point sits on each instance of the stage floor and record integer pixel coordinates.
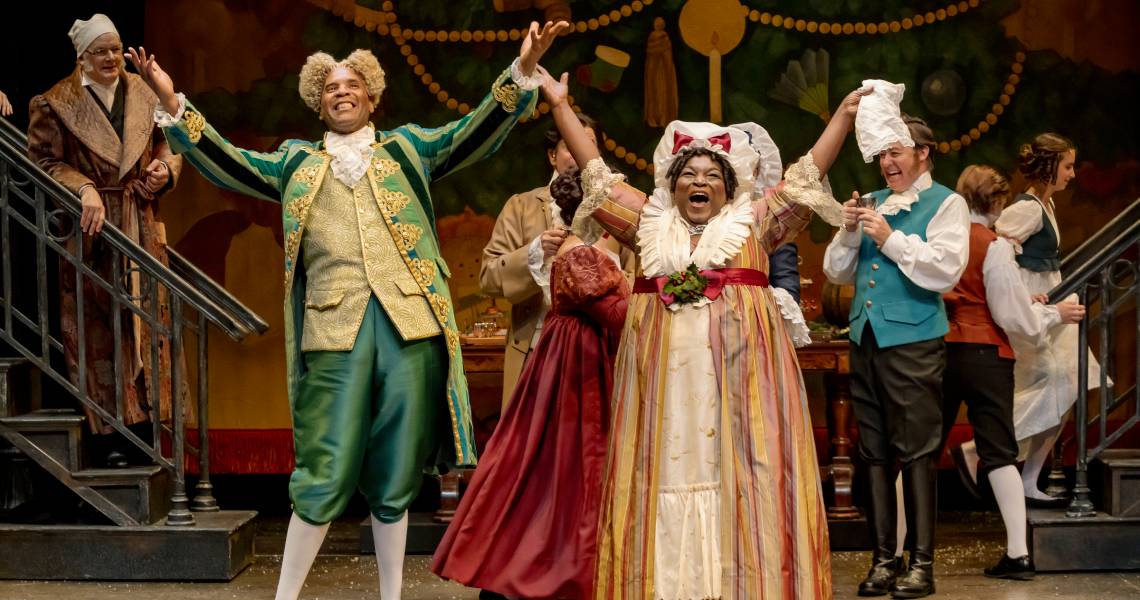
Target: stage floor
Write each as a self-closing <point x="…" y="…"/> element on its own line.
<point x="967" y="543"/>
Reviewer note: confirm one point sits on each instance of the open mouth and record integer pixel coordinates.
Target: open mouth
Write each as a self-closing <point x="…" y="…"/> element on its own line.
<point x="700" y="198"/>
<point x="344" y="105"/>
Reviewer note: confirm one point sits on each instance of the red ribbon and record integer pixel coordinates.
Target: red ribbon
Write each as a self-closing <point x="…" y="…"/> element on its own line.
<point x="681" y="141"/>
<point x="717" y="280"/>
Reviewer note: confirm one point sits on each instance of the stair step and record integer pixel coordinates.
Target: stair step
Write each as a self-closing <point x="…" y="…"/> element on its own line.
<point x="117" y="476"/>
<point x="142" y="492"/>
<point x="44" y="420"/>
<point x="1120" y="474"/>
<point x="216" y="548"/>
<point x="58" y="433"/>
<point x="1098" y="543"/>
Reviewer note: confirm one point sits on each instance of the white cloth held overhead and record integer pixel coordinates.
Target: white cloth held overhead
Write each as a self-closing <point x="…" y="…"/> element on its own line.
<point x="82" y="33"/>
<point x="878" y="123"/>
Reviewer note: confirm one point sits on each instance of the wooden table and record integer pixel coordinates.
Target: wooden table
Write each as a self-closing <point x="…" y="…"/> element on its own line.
<point x="833" y="360"/>
<point x="483" y="362"/>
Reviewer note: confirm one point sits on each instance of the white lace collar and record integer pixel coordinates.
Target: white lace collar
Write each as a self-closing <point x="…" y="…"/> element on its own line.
<point x="352" y="154"/>
<point x="663" y="235"/>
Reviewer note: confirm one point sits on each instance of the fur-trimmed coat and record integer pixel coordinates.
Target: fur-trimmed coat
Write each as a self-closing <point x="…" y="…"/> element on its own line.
<point x="71" y="137"/>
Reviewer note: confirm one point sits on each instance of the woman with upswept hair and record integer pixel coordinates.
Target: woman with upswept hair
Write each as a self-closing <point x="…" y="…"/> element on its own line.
<point x="1046" y="370"/>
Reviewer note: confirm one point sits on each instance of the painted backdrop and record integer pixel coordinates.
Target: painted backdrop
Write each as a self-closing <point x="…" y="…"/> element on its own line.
<point x="986" y="74"/>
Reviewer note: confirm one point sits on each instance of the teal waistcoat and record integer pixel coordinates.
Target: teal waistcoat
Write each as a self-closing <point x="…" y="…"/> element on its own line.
<point x="898" y="311"/>
<point x="1040" y="252"/>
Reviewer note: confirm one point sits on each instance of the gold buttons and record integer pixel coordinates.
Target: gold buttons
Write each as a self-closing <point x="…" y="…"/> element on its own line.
<point x="868" y="304"/>
<point x="871" y="283"/>
<point x="874" y="266"/>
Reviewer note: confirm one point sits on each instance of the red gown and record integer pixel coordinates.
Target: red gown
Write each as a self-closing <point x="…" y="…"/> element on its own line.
<point x="527" y="523"/>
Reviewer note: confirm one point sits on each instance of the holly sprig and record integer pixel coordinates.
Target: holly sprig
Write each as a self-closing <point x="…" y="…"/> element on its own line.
<point x="686" y="286"/>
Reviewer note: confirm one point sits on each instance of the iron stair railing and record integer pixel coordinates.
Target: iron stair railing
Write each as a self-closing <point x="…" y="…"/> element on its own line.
<point x="45" y="215"/>
<point x="1100" y="273"/>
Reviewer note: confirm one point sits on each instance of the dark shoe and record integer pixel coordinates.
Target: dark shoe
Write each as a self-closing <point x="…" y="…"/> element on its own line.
<point x="489" y="595"/>
<point x="1050" y="503"/>
<point x="1021" y="569"/>
<point x="116" y="460"/>
<point x="880" y="578"/>
<point x="918" y="582"/>
<point x="964" y="472"/>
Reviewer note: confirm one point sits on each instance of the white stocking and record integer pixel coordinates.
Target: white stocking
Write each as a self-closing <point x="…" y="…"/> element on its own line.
<point x="970" y="452"/>
<point x="1037" y="456"/>
<point x="302" y="542"/>
<point x="390" y="539"/>
<point x="900" y="520"/>
<point x="1008" y="492"/>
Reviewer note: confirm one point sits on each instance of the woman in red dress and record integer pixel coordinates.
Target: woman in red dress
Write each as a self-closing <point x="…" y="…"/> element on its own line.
<point x="527" y="524"/>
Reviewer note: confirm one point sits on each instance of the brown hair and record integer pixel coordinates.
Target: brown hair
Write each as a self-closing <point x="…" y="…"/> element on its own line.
<point x="553" y="136"/>
<point x="983" y="186"/>
<point x="1038" y="159"/>
<point x="922" y="135"/>
<point x="566" y="189"/>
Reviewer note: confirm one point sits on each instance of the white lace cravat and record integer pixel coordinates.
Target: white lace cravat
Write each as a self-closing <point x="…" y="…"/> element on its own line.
<point x="352" y="154"/>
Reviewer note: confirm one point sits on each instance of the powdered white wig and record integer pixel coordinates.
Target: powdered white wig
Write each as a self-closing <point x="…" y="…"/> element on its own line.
<point x="318" y="66"/>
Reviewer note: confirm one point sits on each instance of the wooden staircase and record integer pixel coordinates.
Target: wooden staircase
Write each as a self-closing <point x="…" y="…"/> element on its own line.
<point x="53" y="440"/>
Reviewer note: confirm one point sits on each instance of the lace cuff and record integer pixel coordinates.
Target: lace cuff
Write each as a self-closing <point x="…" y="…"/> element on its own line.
<point x="597" y="181"/>
<point x="793" y="317"/>
<point x="539" y="268"/>
<point x="803" y="185"/>
<point x="165" y="119"/>
<point x="525" y="83"/>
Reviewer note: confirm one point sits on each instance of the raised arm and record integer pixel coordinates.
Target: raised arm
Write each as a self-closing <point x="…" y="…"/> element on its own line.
<point x="257" y="174"/>
<point x="826" y="148"/>
<point x="615" y="205"/>
<point x="581" y="147"/>
<point x="481" y="132"/>
<point x="781" y="216"/>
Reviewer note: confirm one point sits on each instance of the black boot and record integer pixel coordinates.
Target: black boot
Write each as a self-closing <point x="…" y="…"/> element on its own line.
<point x="920" y="496"/>
<point x="881" y="515"/>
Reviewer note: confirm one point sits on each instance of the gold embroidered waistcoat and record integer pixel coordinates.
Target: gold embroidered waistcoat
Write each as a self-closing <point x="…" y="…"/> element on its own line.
<point x="349" y="255"/>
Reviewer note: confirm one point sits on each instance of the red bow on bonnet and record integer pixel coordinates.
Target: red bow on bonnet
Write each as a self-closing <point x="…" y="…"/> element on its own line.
<point x="681" y="141"/>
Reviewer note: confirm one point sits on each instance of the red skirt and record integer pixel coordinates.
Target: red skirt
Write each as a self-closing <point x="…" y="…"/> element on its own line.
<point x="527" y="523"/>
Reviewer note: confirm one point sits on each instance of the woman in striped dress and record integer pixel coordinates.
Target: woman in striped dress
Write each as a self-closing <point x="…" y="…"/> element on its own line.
<point x="712" y="487"/>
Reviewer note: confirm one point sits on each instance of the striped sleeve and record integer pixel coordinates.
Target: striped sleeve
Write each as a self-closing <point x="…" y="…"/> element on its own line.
<point x="257" y="174"/>
<point x="476" y="135"/>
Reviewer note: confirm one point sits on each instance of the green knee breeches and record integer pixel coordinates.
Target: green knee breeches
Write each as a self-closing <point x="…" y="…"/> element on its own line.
<point x="371" y="418"/>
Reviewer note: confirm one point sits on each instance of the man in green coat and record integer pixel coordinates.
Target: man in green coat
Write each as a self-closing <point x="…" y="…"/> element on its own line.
<point x="369" y="324"/>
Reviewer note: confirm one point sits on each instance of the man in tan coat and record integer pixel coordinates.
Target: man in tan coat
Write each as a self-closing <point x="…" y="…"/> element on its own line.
<point x="516" y="262"/>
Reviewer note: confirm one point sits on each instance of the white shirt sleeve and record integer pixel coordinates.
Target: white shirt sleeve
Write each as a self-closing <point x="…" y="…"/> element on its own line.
<point x="937" y="263"/>
<point x="842" y="256"/>
<point x="1018" y="221"/>
<point x="1008" y="298"/>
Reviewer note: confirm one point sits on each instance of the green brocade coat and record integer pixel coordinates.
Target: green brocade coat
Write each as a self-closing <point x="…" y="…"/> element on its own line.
<point x="405" y="161"/>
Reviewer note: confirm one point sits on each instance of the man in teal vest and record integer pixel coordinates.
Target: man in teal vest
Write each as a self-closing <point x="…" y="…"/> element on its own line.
<point x="901" y="253"/>
<point x="376" y="381"/>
